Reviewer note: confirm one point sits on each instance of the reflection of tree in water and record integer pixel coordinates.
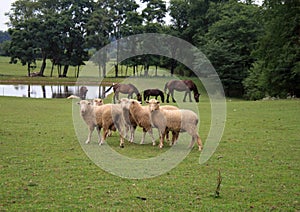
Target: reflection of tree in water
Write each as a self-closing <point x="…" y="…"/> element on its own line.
<point x="63" y="91"/>
<point x="54" y="91"/>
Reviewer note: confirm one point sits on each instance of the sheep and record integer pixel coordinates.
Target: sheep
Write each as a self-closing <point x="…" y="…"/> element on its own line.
<point x="130" y="123"/>
<point x="73" y="97"/>
<point x="108" y="117"/>
<point x="176" y="121"/>
<point x="97" y="102"/>
<point x="168" y="107"/>
<point x="140" y="115"/>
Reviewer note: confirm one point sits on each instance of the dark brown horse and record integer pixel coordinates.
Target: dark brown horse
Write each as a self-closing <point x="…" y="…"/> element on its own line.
<point x="129" y="89"/>
<point x="182" y="85"/>
<point x="153" y="92"/>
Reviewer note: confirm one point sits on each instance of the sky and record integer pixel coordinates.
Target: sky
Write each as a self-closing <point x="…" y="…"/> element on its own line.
<point x="4" y="8"/>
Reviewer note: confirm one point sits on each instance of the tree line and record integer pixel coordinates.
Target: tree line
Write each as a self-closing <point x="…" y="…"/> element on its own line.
<point x="254" y="49"/>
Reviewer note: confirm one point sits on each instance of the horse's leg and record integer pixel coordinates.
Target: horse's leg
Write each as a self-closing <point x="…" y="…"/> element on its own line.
<point x="190" y="96"/>
<point x="116" y="96"/>
<point x="172" y="94"/>
<point x="185" y="96"/>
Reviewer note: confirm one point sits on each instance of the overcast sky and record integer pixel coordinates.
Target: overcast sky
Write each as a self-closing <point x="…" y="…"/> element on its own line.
<point x="4" y="8"/>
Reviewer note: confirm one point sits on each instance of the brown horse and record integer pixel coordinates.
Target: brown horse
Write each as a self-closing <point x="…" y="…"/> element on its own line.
<point x="153" y="92"/>
<point x="129" y="89"/>
<point x="182" y="85"/>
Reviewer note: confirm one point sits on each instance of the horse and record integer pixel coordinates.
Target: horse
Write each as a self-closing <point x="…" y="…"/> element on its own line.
<point x="129" y="89"/>
<point x="182" y="85"/>
<point x="153" y="92"/>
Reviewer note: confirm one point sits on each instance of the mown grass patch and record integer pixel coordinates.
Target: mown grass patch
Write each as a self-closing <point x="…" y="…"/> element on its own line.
<point x="43" y="166"/>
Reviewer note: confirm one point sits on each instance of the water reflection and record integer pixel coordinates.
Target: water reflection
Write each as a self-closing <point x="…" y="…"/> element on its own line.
<point x="53" y="91"/>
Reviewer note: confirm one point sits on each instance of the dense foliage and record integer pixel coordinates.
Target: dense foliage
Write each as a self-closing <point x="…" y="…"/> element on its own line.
<point x="254" y="49"/>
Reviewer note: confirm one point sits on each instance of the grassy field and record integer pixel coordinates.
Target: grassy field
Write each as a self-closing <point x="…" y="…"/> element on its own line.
<point x="16" y="73"/>
<point x="44" y="167"/>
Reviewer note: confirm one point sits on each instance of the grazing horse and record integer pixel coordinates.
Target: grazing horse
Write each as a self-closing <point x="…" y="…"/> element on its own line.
<point x="153" y="92"/>
<point x="182" y="85"/>
<point x="129" y="89"/>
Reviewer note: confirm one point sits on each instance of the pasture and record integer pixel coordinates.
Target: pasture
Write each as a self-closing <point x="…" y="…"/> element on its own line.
<point x="44" y="167"/>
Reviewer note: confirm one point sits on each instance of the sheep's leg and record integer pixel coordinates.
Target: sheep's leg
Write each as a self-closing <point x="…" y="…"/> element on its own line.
<point x="121" y="141"/>
<point x="143" y="138"/>
<point x="162" y="137"/>
<point x="98" y="132"/>
<point x="192" y="142"/>
<point x="152" y="137"/>
<point x="199" y="142"/>
<point x="105" y="132"/>
<point x="91" y="129"/>
<point x="167" y="136"/>
<point x="132" y="130"/>
<point x="175" y="136"/>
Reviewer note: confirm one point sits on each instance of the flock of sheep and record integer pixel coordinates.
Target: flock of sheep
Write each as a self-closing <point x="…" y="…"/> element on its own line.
<point x="129" y="114"/>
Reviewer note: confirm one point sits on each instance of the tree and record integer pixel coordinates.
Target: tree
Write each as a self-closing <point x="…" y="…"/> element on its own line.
<point x="49" y="29"/>
<point x="229" y="42"/>
<point x="277" y="70"/>
<point x="23" y="18"/>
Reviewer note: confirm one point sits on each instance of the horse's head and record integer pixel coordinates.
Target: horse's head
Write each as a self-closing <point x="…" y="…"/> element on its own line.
<point x="139" y="97"/>
<point x="197" y="96"/>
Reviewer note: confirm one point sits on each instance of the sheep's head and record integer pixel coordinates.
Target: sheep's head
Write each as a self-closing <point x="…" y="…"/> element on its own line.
<point x="125" y="103"/>
<point x="97" y="102"/>
<point x="85" y="106"/>
<point x="153" y="104"/>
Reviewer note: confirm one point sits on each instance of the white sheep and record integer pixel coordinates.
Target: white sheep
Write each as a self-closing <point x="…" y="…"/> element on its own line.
<point x="168" y="107"/>
<point x="175" y="121"/>
<point x="141" y="116"/>
<point x="108" y="117"/>
<point x="130" y="123"/>
<point x="98" y="102"/>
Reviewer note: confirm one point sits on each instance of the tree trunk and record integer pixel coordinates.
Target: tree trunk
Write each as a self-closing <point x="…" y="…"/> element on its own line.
<point x="28" y="69"/>
<point x="51" y="73"/>
<point x="66" y="68"/>
<point x="116" y="69"/>
<point x="59" y="70"/>
<point x="78" y="69"/>
<point x="42" y="70"/>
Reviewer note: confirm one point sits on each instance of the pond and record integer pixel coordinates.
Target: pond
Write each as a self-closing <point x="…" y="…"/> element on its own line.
<point x="52" y="91"/>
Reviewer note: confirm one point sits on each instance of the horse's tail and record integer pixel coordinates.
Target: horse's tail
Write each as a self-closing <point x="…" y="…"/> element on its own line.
<point x="166" y="86"/>
<point x="110" y="88"/>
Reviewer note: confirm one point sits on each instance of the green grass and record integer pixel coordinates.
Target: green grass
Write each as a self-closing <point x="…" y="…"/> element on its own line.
<point x="44" y="167"/>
